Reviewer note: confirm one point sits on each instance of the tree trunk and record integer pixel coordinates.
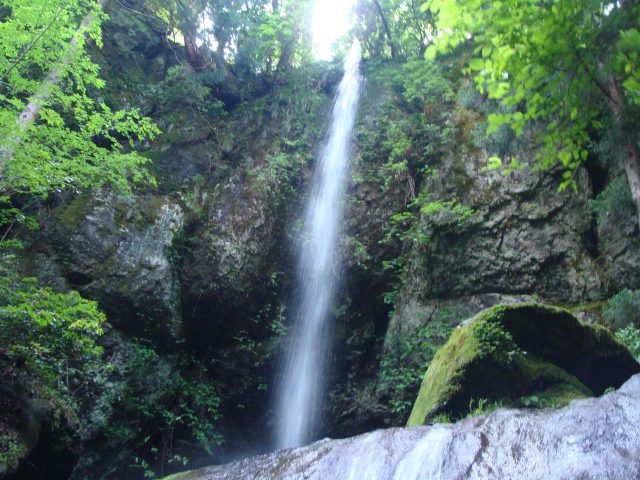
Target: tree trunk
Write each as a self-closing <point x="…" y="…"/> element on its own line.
<point x="37" y="101"/>
<point x="632" y="168"/>
<point x="631" y="155"/>
<point x="193" y="56"/>
<point x="386" y="28"/>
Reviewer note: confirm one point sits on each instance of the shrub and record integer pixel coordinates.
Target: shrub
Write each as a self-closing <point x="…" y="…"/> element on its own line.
<point x="623" y="309"/>
<point x="630" y="338"/>
<point x="53" y="335"/>
<point x="493" y="339"/>
<point x="614" y="204"/>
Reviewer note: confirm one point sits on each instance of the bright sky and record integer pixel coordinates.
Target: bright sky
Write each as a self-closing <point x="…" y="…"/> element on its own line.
<point x="330" y="21"/>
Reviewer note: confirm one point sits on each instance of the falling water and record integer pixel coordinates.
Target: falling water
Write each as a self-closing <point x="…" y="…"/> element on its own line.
<point x="302" y="389"/>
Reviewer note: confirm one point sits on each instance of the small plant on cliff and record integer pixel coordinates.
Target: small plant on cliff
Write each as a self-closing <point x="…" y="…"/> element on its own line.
<point x="482" y="406"/>
<point x="494" y="340"/>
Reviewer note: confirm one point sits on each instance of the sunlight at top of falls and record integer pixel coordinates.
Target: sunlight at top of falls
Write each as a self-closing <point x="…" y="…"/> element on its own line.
<point x="331" y="20"/>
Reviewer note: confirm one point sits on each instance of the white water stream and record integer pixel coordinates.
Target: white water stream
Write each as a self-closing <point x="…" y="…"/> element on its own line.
<point x="300" y="396"/>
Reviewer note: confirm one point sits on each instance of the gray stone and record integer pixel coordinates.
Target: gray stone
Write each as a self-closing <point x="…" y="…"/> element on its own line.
<point x="117" y="252"/>
<point x="527" y="237"/>
<point x="596" y="438"/>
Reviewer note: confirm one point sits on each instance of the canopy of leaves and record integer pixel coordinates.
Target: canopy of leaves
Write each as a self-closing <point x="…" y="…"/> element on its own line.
<point x="76" y="141"/>
<point x="410" y="27"/>
<point x="256" y="36"/>
<point x="553" y="64"/>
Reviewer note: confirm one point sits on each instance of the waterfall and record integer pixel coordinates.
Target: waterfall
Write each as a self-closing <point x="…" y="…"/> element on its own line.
<point x="300" y="396"/>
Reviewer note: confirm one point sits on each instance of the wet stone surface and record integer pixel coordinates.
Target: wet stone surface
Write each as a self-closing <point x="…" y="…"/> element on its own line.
<point x="597" y="438"/>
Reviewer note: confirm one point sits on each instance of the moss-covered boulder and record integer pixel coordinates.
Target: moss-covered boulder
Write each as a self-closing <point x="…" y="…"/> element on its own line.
<point x="508" y="353"/>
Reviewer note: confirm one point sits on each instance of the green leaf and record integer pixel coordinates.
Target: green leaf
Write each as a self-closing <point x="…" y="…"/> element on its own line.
<point x="476" y="64"/>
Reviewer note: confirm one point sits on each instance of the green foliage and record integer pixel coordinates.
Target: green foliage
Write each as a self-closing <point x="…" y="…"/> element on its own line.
<point x="415" y="229"/>
<point x="281" y="170"/>
<point x="629" y="336"/>
<point x="53" y="335"/>
<point x="623" y="309"/>
<point x="482" y="406"/>
<point x="154" y="412"/>
<point x="411" y="130"/>
<point x="76" y="142"/>
<point x="442" y="418"/>
<point x="180" y="89"/>
<point x="257" y="36"/>
<point x="410" y="27"/>
<point x="614" y="204"/>
<point x="401" y="372"/>
<point x="419" y="82"/>
<point x="551" y="65"/>
<point x="73" y="141"/>
<point x="494" y="340"/>
<point x="293" y="108"/>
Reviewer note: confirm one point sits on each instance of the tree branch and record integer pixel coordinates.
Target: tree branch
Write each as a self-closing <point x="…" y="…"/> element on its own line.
<point x="386" y="28"/>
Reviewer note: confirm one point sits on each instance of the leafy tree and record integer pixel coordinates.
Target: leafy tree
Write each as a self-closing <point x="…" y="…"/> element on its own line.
<point x="564" y="66"/>
<point x="393" y="28"/>
<point x="263" y="36"/>
<point x="54" y="134"/>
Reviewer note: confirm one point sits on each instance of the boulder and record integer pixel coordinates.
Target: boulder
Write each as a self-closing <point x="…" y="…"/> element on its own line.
<point x="511" y="351"/>
<point x="591" y="438"/>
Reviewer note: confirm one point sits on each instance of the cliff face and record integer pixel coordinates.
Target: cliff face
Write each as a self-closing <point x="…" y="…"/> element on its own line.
<point x="460" y="237"/>
<point x="196" y="274"/>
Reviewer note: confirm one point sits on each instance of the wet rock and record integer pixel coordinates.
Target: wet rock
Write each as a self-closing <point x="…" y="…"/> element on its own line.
<point x="592" y="438"/>
<point x="511" y="351"/>
<point x="525" y="238"/>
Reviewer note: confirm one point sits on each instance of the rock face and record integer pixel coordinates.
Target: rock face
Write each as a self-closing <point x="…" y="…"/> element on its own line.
<point x="511" y="351"/>
<point x="592" y="438"/>
<point x="526" y="237"/>
<point x="39" y="433"/>
<point x="116" y="250"/>
<point x="618" y="236"/>
<point x="228" y="260"/>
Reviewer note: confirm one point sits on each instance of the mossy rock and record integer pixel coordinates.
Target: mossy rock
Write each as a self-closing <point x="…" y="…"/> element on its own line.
<point x="530" y="349"/>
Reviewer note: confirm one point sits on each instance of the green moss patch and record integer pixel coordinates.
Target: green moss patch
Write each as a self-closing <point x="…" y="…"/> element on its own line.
<point x="510" y="352"/>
